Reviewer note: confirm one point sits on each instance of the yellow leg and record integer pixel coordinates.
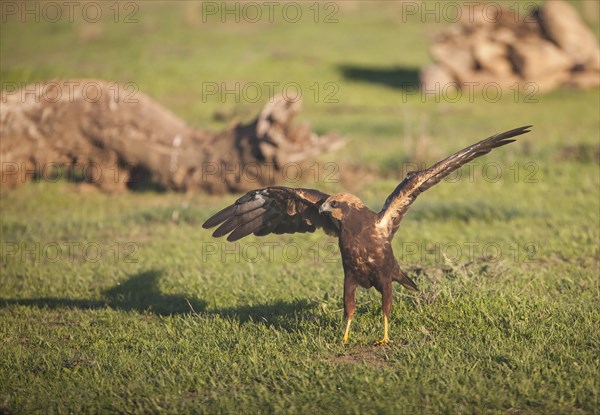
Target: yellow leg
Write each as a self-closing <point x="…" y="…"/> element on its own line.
<point x="347" y="333"/>
<point x="386" y="338"/>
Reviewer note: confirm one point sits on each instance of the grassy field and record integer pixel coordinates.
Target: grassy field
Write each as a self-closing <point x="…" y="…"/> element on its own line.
<point x="123" y="303"/>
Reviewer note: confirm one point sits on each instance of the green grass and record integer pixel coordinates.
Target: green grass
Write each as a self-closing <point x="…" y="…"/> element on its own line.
<point x="142" y="317"/>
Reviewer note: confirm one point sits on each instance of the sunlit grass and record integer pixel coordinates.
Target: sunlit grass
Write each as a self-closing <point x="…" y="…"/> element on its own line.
<point x="123" y="303"/>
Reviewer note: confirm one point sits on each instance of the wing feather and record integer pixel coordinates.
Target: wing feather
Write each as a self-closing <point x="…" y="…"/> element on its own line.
<point x="244" y="205"/>
<point x="415" y="183"/>
<point x="249" y="227"/>
<point x="269" y="227"/>
<point x="238" y="220"/>
<point x="274" y="209"/>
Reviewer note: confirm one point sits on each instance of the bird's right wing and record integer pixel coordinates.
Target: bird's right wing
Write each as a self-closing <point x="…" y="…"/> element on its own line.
<point x="417" y="182"/>
<point x="276" y="210"/>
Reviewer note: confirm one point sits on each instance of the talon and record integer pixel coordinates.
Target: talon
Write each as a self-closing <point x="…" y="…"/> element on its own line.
<point x="382" y="342"/>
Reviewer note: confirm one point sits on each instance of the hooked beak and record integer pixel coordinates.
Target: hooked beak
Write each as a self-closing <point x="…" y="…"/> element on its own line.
<point x="324" y="208"/>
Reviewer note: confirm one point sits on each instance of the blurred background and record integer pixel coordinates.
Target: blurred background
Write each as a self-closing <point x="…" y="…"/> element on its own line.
<point x="213" y="62"/>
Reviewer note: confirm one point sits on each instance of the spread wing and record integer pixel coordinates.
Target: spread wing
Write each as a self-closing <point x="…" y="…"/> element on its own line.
<point x="417" y="182"/>
<point x="274" y="209"/>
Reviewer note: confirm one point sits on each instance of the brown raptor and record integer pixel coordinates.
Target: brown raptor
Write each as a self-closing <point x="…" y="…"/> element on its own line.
<point x="365" y="236"/>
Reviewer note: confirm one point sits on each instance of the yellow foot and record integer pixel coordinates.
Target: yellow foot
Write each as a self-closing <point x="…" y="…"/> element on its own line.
<point x="382" y="342"/>
<point x="347" y="332"/>
<point x="386" y="338"/>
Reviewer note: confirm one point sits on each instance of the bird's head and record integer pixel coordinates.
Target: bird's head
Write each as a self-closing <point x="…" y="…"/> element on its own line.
<point x="340" y="205"/>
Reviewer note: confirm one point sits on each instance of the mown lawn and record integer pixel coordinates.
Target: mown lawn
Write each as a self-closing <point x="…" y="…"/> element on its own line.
<point x="123" y="303"/>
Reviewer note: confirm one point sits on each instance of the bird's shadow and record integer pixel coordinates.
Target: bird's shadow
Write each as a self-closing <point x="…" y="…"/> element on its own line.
<point x="406" y="78"/>
<point x="141" y="293"/>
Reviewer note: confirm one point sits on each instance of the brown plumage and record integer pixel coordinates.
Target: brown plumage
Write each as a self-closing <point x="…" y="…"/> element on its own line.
<point x="365" y="237"/>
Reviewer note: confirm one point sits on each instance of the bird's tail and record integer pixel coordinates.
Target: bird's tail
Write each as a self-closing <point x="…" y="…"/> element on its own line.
<point x="406" y="282"/>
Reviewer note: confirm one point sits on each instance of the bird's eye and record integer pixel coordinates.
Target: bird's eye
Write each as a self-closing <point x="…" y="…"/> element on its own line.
<point x="334" y="203"/>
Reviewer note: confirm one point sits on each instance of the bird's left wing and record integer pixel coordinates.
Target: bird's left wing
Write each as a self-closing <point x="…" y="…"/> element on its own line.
<point x="417" y="182"/>
<point x="275" y="209"/>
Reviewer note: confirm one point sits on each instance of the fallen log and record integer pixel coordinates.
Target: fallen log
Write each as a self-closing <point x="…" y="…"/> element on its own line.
<point x="103" y="133"/>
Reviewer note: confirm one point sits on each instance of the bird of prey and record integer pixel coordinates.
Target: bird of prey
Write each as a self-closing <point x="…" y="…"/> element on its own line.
<point x="365" y="236"/>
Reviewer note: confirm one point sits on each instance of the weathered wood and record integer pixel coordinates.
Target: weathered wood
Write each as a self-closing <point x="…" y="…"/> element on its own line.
<point x="117" y="140"/>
